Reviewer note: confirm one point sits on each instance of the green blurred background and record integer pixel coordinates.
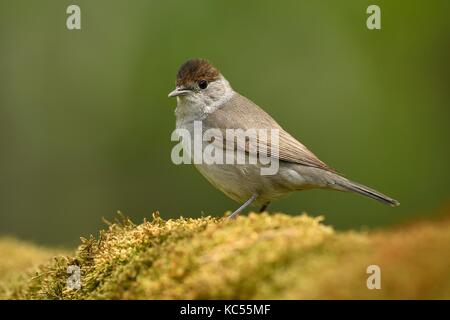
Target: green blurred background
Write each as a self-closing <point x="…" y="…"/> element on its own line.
<point x="85" y="121"/>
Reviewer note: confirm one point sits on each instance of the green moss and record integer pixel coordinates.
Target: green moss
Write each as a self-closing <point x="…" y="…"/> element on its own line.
<point x="16" y="258"/>
<point x="259" y="256"/>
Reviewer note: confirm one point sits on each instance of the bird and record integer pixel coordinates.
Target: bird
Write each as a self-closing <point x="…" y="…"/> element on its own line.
<point x="205" y="96"/>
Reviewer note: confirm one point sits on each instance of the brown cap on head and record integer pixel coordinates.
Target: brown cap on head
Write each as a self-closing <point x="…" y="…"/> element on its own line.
<point x="196" y="69"/>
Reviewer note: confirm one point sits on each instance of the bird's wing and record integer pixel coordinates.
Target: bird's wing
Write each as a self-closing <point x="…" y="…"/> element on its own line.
<point x="241" y="113"/>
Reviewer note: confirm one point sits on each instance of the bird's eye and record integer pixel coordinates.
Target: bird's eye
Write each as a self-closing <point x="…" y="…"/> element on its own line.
<point x="202" y="84"/>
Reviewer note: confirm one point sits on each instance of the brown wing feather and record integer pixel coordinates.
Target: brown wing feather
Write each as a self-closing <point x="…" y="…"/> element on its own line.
<point x="241" y="113"/>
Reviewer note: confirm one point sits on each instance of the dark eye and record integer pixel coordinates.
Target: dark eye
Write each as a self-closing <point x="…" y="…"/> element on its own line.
<point x="202" y="84"/>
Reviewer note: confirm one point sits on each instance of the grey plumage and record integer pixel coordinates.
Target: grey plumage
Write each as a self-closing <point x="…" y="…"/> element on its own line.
<point x="241" y="113"/>
<point x="220" y="108"/>
<point x="366" y="191"/>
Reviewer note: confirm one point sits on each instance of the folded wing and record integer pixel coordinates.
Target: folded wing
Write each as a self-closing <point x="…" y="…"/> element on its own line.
<point x="241" y="113"/>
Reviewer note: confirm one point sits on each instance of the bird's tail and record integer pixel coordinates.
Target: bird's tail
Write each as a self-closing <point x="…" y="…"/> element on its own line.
<point x="348" y="185"/>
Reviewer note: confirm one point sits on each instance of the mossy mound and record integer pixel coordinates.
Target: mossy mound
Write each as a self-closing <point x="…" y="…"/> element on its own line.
<point x="16" y="258"/>
<point x="259" y="256"/>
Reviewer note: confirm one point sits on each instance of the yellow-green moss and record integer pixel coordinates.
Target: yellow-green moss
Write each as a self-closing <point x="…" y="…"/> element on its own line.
<point x="16" y="258"/>
<point x="259" y="256"/>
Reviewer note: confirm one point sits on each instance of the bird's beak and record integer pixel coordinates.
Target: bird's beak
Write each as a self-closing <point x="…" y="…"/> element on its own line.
<point x="179" y="91"/>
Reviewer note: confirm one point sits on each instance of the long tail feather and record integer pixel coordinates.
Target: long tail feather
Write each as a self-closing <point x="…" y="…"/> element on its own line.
<point x="366" y="191"/>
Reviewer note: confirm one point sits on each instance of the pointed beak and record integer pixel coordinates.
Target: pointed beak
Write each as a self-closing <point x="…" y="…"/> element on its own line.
<point x="179" y="91"/>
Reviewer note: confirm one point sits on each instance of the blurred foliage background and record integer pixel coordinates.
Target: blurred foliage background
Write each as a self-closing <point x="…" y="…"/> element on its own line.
<point x="85" y="121"/>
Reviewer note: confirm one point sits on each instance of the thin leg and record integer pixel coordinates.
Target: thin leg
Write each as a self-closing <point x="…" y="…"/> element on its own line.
<point x="245" y="205"/>
<point x="264" y="207"/>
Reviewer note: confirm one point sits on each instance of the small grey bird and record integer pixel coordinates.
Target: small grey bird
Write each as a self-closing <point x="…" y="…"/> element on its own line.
<point x="203" y="94"/>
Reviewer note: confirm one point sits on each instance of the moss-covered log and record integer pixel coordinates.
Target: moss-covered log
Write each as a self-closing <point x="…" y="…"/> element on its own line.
<point x="259" y="256"/>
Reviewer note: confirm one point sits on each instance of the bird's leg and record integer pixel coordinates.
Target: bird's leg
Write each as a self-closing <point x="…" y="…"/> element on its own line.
<point x="245" y="205"/>
<point x="264" y="207"/>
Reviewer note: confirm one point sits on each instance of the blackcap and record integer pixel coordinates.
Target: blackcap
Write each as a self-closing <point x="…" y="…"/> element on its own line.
<point x="205" y="96"/>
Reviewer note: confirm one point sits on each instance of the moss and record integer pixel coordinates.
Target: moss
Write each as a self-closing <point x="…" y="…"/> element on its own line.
<point x="259" y="256"/>
<point x="18" y="257"/>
